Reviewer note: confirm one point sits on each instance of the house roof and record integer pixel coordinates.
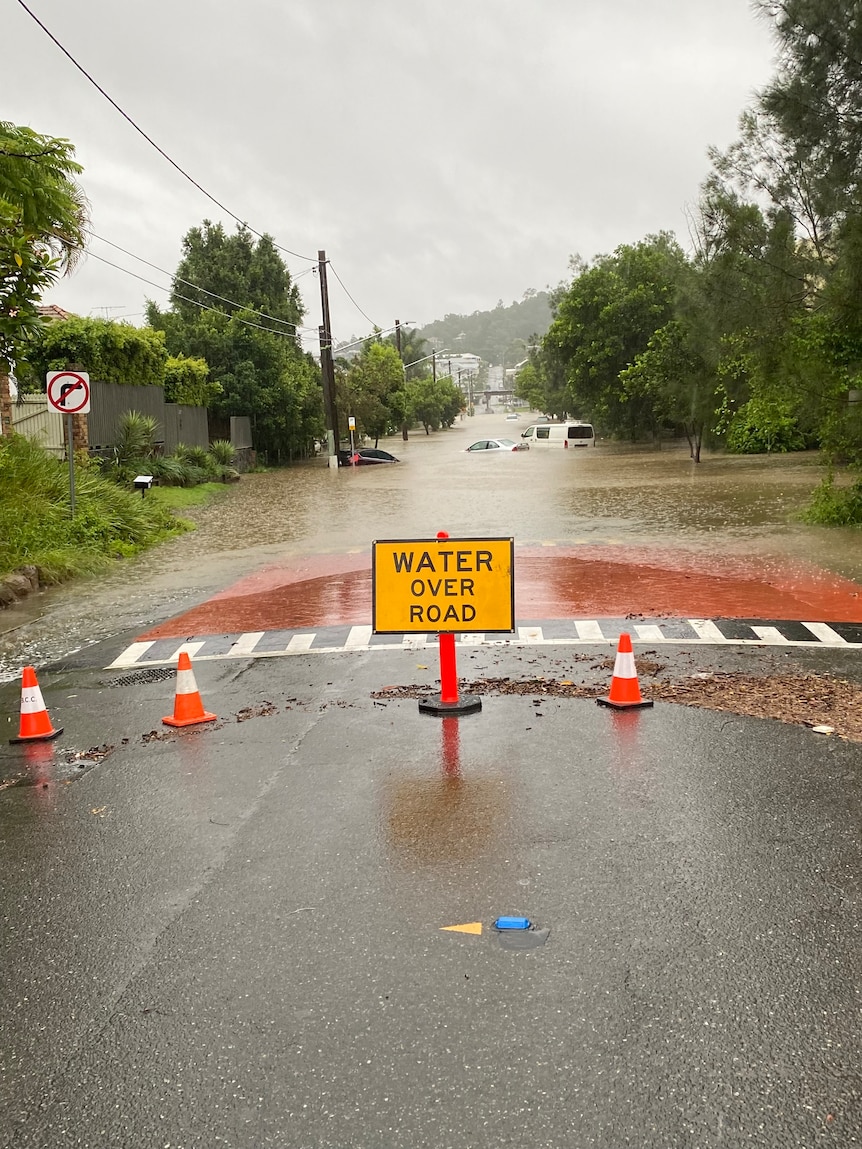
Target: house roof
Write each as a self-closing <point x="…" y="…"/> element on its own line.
<point x="52" y="311"/>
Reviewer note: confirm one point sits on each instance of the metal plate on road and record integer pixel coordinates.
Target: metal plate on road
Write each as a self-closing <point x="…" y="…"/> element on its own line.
<point x="69" y="392"/>
<point x="443" y="585"/>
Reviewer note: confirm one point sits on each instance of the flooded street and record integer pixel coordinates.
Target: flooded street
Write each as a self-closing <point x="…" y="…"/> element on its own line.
<point x="655" y="505"/>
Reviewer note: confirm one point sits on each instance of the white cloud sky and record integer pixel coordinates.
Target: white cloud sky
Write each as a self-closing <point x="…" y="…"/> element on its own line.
<point x="445" y="153"/>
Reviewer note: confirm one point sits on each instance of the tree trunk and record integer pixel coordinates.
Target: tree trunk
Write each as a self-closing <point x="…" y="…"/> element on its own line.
<point x="694" y="434"/>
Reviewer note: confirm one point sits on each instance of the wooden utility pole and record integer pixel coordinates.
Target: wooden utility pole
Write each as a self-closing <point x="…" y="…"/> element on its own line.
<point x="327" y="367"/>
<point x="398" y="336"/>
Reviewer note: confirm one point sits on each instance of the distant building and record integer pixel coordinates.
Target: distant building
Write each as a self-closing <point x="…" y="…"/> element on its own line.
<point x="50" y="312"/>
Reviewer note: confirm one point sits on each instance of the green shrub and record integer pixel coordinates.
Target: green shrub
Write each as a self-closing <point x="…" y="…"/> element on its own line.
<point x="223" y="452"/>
<point x="835" y="506"/>
<point x="762" y="426"/>
<point x="36" y="524"/>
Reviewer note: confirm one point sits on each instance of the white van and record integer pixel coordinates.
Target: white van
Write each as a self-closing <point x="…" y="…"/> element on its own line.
<point x="570" y="434"/>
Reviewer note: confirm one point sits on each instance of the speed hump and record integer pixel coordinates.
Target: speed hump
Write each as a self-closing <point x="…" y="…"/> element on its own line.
<point x="443" y="585"/>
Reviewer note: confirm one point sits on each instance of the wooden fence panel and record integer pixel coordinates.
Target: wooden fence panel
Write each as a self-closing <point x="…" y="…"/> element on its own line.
<point x="187" y="425"/>
<point x="33" y="418"/>
<point x="108" y="401"/>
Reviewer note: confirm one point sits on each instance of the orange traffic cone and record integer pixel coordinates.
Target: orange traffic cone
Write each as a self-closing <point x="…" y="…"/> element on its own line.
<point x="188" y="707"/>
<point x="625" y="692"/>
<point x="35" y="723"/>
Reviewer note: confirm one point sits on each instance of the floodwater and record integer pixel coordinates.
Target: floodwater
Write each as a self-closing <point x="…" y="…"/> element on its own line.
<point x="642" y="502"/>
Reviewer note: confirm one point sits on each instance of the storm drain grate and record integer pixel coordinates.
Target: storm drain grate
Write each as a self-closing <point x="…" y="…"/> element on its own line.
<point x="142" y="677"/>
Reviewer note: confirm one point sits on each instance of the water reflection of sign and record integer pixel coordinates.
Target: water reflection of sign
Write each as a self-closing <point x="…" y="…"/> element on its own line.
<point x="440" y="585"/>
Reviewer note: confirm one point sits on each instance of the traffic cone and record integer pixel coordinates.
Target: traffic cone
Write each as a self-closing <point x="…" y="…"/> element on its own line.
<point x="188" y="707"/>
<point x="35" y="723"/>
<point x="625" y="692"/>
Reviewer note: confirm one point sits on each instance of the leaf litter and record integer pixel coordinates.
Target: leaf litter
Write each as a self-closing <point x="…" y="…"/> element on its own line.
<point x="822" y="703"/>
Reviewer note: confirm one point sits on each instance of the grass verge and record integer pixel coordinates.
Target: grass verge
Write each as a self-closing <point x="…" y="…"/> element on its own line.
<point x="37" y="527"/>
<point x="176" y="498"/>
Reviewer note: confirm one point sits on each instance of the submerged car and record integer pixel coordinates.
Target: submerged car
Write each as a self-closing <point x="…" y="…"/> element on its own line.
<point x="498" y="445"/>
<point x="365" y="456"/>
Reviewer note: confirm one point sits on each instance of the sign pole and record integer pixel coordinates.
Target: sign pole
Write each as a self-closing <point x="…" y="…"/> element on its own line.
<point x="448" y="701"/>
<point x="69" y="394"/>
<point x="70" y="450"/>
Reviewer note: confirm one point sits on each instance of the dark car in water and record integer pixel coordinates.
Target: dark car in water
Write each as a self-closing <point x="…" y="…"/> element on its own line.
<point x="365" y="456"/>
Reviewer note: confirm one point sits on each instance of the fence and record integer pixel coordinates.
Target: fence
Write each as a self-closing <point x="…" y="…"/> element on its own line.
<point x="176" y="422"/>
<point x="33" y="418"/>
<point x="187" y="425"/>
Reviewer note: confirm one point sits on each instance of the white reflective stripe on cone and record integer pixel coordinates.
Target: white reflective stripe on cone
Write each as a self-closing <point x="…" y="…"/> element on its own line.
<point x="624" y="666"/>
<point x="186" y="682"/>
<point x="31" y="700"/>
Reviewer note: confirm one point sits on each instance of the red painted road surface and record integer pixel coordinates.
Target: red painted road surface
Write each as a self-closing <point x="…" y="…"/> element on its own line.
<point x="581" y="582"/>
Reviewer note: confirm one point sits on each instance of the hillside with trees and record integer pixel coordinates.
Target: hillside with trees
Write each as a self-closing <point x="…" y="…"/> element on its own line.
<point x="496" y="336"/>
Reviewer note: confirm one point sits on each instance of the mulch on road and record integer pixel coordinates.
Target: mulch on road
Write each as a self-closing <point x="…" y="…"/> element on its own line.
<point x="811" y="700"/>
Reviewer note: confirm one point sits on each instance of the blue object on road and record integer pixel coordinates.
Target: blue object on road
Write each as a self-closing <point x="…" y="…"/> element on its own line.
<point x="512" y="923"/>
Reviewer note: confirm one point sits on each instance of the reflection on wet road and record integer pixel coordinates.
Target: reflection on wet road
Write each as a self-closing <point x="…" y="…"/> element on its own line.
<point x="634" y="531"/>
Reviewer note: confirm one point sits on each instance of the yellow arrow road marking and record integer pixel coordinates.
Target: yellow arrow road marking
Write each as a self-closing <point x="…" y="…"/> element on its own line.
<point x="467" y="928"/>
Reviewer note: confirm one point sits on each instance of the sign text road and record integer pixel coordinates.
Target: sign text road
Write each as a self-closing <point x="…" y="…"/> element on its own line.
<point x="441" y="585"/>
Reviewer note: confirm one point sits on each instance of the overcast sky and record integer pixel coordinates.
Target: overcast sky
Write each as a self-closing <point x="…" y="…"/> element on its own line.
<point x="445" y="153"/>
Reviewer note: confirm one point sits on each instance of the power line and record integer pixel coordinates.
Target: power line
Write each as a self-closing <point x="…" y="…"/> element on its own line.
<point x="195" y="286"/>
<point x="195" y="302"/>
<point x="176" y="166"/>
<point x="350" y="297"/>
<point x="150" y="140"/>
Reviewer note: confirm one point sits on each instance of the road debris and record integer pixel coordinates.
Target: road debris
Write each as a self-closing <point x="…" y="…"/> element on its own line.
<point x="818" y="701"/>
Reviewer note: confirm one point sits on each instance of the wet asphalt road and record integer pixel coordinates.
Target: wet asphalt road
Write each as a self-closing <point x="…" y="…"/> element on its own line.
<point x="232" y="936"/>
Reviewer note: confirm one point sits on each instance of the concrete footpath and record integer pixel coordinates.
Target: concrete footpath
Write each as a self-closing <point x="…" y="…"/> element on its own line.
<point x="234" y="935"/>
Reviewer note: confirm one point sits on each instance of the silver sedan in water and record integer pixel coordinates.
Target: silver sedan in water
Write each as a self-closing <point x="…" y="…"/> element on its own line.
<point x="498" y="445"/>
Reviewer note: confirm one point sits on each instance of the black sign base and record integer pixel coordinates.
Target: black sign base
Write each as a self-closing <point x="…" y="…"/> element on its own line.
<point x="466" y="704"/>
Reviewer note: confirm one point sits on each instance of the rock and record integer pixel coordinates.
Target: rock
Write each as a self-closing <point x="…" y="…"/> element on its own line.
<point x="19" y="584"/>
<point x="7" y="595"/>
<point x="32" y="573"/>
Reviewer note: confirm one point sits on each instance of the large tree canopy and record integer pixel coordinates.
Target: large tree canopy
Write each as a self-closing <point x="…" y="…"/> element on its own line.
<point x="603" y="321"/>
<point x="43" y="215"/>
<point x="234" y="305"/>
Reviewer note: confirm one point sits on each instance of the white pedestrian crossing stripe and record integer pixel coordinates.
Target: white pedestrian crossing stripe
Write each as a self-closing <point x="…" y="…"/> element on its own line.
<point x="556" y="632"/>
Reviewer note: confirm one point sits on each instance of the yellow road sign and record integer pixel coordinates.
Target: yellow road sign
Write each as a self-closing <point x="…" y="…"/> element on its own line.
<point x="443" y="585"/>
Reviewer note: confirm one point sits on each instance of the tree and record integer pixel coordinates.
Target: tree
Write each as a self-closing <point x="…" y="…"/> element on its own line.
<point x="529" y="387"/>
<point x="603" y="321"/>
<point x="246" y="331"/>
<point x="373" y="388"/>
<point x="187" y="381"/>
<point x="412" y="350"/>
<point x="815" y="98"/>
<point x="435" y="402"/>
<point x="37" y="180"/>
<point x="677" y="378"/>
<point x="111" y="352"/>
<point x="43" y="213"/>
